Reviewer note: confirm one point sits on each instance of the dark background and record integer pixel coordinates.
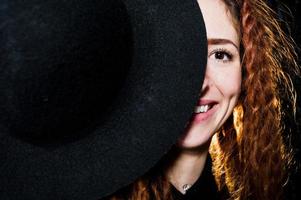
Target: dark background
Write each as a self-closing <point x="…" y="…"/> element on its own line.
<point x="289" y="13"/>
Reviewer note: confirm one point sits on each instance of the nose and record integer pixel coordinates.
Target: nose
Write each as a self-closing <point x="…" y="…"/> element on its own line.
<point x="206" y="82"/>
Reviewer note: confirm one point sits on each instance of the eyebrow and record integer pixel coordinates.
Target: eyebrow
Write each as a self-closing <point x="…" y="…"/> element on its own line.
<point x="221" y="41"/>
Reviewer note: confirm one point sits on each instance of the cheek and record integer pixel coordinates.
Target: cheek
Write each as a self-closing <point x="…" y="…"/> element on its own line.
<point x="229" y="82"/>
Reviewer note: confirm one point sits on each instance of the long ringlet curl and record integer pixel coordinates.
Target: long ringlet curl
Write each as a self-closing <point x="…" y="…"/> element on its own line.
<point x="251" y="157"/>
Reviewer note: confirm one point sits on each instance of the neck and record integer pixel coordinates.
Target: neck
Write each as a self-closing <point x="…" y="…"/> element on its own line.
<point x="186" y="167"/>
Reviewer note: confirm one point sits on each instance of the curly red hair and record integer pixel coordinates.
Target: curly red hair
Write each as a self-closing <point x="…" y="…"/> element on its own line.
<point x="250" y="156"/>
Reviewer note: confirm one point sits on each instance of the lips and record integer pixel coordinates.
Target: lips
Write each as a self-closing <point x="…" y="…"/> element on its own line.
<point x="204" y="110"/>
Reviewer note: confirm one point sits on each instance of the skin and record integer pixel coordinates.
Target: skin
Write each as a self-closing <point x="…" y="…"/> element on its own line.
<point x="222" y="85"/>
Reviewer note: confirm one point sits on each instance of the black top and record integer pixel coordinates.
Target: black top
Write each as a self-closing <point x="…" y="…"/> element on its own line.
<point x="204" y="188"/>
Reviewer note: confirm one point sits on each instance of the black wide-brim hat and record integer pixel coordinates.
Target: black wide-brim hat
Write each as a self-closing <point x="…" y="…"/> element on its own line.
<point x="93" y="93"/>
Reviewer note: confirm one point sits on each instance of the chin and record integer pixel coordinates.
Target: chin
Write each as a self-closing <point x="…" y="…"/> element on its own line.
<point x="195" y="143"/>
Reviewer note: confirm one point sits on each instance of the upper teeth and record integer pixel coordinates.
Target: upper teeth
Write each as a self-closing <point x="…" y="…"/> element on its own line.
<point x="201" y="109"/>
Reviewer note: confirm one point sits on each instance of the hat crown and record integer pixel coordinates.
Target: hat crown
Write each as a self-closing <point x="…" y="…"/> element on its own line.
<point x="60" y="70"/>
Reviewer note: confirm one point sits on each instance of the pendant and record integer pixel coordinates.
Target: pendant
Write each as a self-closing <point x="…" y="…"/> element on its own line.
<point x="186" y="187"/>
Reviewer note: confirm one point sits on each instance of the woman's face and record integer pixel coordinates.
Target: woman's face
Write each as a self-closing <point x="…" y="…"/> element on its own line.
<point x="221" y="87"/>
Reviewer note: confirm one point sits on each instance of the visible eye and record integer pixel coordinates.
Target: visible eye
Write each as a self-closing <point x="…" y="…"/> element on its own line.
<point x="222" y="55"/>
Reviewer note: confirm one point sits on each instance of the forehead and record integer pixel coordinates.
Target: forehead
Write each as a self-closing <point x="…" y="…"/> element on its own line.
<point x="218" y="20"/>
